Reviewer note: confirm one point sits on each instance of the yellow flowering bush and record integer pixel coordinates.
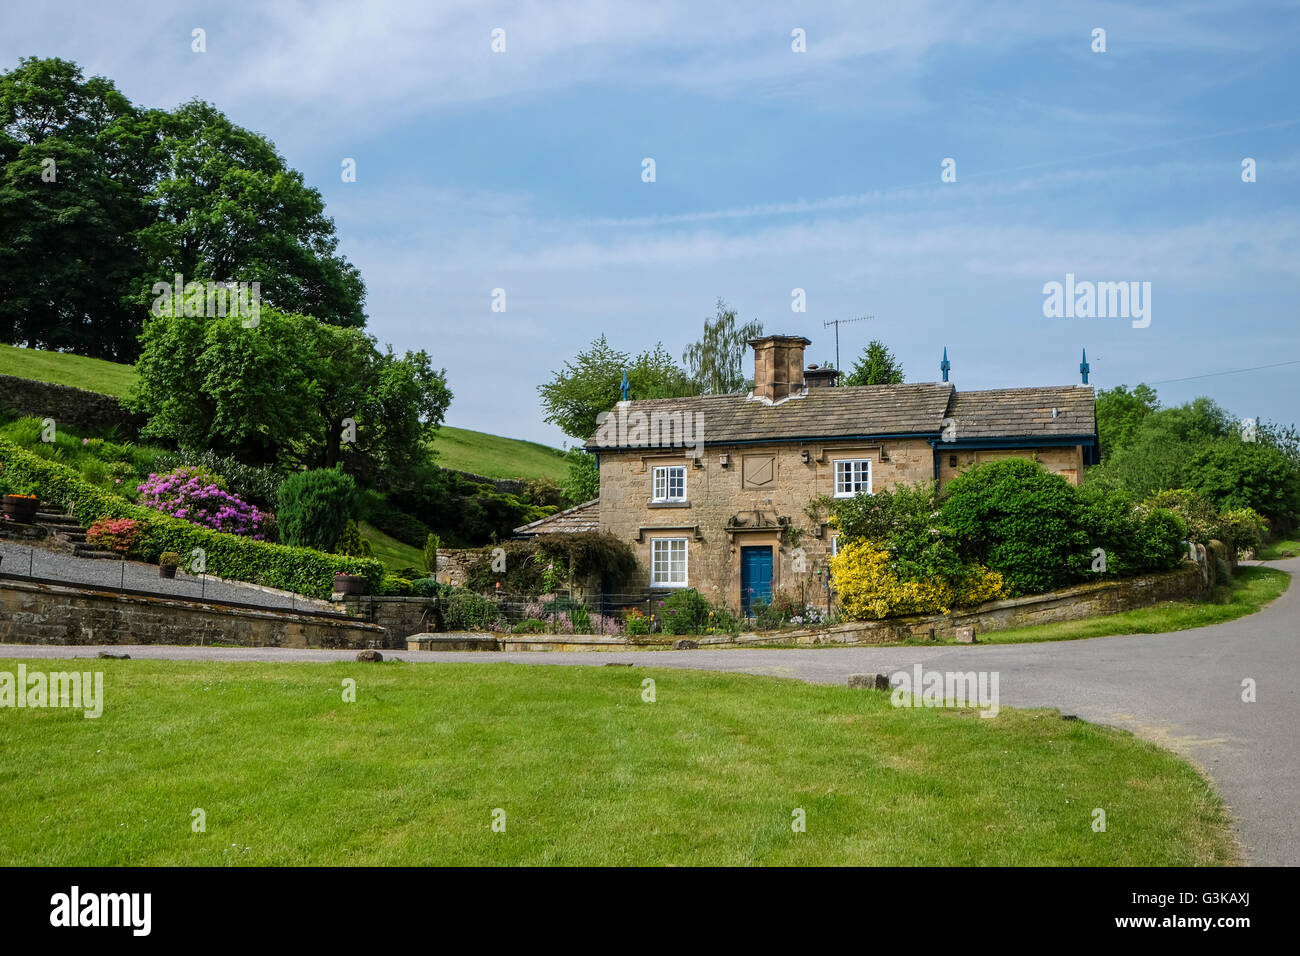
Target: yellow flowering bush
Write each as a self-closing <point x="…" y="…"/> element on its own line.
<point x="869" y="588"/>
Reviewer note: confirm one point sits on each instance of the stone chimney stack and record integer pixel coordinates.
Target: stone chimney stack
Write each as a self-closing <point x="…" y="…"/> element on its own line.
<point x="778" y="366"/>
<point x="820" y="377"/>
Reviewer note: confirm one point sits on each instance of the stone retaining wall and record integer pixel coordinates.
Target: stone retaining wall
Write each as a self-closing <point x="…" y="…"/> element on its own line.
<point x="1070" y="604"/>
<point x="38" y="612"/>
<point x="68" y="406"/>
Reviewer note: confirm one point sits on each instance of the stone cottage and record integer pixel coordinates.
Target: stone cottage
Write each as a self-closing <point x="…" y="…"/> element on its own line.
<point x="713" y="491"/>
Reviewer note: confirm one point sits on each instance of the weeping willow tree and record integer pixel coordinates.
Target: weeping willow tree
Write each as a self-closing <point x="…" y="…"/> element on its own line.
<point x="715" y="362"/>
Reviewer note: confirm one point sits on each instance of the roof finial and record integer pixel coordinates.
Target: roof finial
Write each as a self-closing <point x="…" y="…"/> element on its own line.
<point x="1084" y="367"/>
<point x="945" y="365"/>
<point x="624" y="387"/>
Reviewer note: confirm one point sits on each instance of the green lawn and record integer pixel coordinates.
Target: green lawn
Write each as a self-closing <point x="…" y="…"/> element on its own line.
<point x="584" y="770"/>
<point x="389" y="550"/>
<point x="61" y="368"/>
<point x="495" y="457"/>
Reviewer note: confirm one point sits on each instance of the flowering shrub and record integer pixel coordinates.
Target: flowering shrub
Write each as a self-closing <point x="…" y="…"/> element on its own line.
<point x="869" y="588"/>
<point x="197" y="496"/>
<point x="637" y="622"/>
<point x="114" y="534"/>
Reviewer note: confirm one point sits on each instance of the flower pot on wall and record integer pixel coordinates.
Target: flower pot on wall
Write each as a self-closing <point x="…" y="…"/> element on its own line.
<point x="349" y="584"/>
<point x="21" y="508"/>
<point x="166" y="570"/>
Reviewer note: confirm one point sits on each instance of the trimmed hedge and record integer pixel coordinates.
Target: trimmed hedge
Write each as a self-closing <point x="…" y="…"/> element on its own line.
<point x="301" y="570"/>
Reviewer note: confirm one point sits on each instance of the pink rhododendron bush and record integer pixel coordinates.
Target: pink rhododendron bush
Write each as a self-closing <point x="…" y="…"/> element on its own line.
<point x="200" y="497"/>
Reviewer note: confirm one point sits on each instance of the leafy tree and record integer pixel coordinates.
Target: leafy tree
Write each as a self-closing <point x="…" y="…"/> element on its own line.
<point x="69" y="246"/>
<point x="1158" y="455"/>
<point x="1241" y="474"/>
<point x="314" y="508"/>
<point x="582" y="483"/>
<point x="1120" y="413"/>
<point x="136" y="196"/>
<point x="590" y="384"/>
<point x="716" y="362"/>
<point x="876" y="366"/>
<point x="279" y="393"/>
<point x="228" y="208"/>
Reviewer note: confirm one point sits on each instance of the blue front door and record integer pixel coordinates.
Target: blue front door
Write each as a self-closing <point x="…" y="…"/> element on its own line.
<point x="755" y="576"/>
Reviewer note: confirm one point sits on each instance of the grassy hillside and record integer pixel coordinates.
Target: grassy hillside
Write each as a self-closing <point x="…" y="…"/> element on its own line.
<point x="60" y="368"/>
<point x="457" y="448"/>
<point x="497" y="457"/>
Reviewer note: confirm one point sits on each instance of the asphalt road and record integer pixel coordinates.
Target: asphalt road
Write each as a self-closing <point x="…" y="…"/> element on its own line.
<point x="1182" y="690"/>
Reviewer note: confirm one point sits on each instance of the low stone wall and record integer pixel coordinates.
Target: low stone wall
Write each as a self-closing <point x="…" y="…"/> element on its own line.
<point x="400" y="616"/>
<point x="1069" y="604"/>
<point x="40" y="612"/>
<point x="68" y="406"/>
<point x="453" y="565"/>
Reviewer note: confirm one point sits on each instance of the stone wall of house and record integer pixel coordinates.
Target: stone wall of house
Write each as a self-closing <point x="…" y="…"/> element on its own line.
<point x="759" y="484"/>
<point x="1062" y="461"/>
<point x="33" y="612"/>
<point x="763" y="484"/>
<point x="73" y="407"/>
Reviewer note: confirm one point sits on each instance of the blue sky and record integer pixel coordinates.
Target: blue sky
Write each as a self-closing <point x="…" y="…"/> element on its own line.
<point x="775" y="170"/>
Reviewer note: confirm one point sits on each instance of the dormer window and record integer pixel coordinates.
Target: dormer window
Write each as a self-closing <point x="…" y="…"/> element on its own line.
<point x="669" y="483"/>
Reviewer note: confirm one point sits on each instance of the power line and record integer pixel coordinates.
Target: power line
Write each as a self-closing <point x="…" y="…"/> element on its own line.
<point x="1234" y="371"/>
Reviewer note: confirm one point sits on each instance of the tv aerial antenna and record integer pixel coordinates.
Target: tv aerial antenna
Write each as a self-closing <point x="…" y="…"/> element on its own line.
<point x="837" y="323"/>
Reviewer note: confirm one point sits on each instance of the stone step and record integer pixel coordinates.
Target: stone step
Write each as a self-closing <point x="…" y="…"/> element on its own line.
<point x="89" y="551"/>
<point x="49" y="517"/>
<point x="75" y="537"/>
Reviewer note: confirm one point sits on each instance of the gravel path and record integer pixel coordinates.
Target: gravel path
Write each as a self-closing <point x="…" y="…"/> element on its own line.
<point x="24" y="560"/>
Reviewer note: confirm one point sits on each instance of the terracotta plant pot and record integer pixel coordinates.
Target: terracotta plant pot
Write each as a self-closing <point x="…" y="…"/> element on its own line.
<point x="349" y="584"/>
<point x="21" y="508"/>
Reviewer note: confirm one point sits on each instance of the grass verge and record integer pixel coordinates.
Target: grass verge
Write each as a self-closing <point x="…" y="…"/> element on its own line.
<point x="585" y="772"/>
<point x="62" y="368"/>
<point x="395" y="554"/>
<point x="1277" y="550"/>
<point x="495" y="457"/>
<point x="1250" y="590"/>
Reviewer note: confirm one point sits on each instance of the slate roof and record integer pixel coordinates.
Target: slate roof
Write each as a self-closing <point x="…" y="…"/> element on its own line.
<point x="583" y="517"/>
<point x="877" y="410"/>
<point x="1024" y="412"/>
<point x="821" y="413"/>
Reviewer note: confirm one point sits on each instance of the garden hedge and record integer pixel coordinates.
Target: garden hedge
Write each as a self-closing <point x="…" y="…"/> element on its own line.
<point x="301" y="570"/>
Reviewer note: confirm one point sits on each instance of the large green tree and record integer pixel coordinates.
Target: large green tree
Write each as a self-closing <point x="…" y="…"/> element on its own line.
<point x="290" y="391"/>
<point x="76" y="167"/>
<point x="1120" y="413"/>
<point x="229" y="208"/>
<point x="99" y="200"/>
<point x="589" y="385"/>
<point x="716" y="362"/>
<point x="875" y="366"/>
